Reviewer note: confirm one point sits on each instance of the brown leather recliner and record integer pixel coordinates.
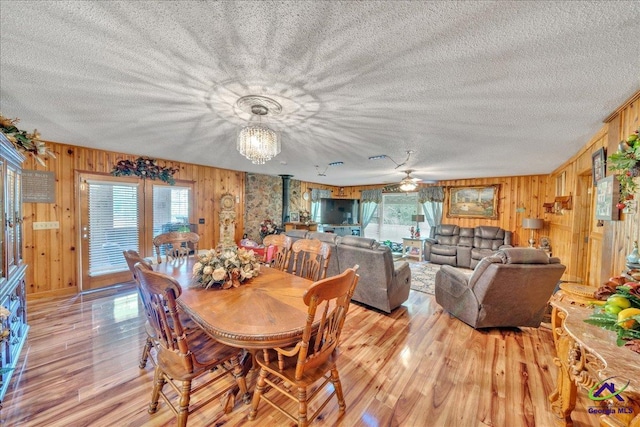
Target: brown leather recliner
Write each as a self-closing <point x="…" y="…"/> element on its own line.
<point x="442" y="246"/>
<point x="510" y="288"/>
<point x="486" y="241"/>
<point x="464" y="246"/>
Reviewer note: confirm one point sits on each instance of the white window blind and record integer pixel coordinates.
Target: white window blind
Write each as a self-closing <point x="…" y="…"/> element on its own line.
<point x="171" y="208"/>
<point x="113" y="225"/>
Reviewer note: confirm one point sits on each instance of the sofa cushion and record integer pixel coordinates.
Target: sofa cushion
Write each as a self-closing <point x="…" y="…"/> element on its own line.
<point x="360" y="242"/>
<point x="488" y="237"/>
<point x="523" y="256"/>
<point x="297" y="234"/>
<point x="466" y="236"/>
<point x="332" y="240"/>
<point x="446" y="234"/>
<point x="477" y="253"/>
<point x="444" y="250"/>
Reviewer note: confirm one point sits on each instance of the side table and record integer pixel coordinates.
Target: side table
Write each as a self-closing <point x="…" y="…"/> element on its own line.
<point x="588" y="358"/>
<point x="408" y="242"/>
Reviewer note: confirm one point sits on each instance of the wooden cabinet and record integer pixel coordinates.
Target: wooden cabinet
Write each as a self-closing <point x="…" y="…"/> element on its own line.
<point x="343" y="230"/>
<point x="300" y="226"/>
<point x="13" y="329"/>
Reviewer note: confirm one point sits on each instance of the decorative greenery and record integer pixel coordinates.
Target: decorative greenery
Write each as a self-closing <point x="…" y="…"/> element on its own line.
<point x="225" y="268"/>
<point x="607" y="316"/>
<point x="624" y="163"/>
<point x="28" y="143"/>
<point x="144" y="168"/>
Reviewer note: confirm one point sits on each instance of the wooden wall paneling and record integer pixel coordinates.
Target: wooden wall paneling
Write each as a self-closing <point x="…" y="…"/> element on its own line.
<point x="52" y="254"/>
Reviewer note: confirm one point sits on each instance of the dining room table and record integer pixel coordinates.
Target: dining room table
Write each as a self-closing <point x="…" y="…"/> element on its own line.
<point x="266" y="311"/>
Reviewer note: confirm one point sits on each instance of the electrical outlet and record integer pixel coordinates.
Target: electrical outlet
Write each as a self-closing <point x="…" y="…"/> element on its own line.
<point x="46" y="225"/>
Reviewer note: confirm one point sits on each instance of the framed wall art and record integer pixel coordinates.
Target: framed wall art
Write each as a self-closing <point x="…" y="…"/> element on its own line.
<point x="294" y="217"/>
<point x="607" y="198"/>
<point x="598" y="160"/>
<point x="473" y="202"/>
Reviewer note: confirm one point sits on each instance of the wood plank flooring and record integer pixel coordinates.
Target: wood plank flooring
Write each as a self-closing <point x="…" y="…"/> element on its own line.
<point x="415" y="367"/>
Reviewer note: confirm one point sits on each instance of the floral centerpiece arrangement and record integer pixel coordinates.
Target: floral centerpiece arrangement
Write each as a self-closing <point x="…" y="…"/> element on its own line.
<point x="28" y="143"/>
<point x="305" y="217"/>
<point x="225" y="268"/>
<point x="624" y="163"/>
<point x="620" y="312"/>
<point x="267" y="227"/>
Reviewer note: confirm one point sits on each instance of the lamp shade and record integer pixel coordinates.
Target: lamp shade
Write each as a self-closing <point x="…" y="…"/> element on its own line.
<point x="532" y="223"/>
<point x="417" y="218"/>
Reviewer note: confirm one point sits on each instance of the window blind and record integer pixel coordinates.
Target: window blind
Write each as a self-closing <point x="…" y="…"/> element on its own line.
<point x="113" y="225"/>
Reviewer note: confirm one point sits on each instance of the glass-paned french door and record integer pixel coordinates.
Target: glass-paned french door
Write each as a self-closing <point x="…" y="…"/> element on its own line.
<point x="118" y="214"/>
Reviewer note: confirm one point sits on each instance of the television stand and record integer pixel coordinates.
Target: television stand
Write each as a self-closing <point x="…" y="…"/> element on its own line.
<point x="343" y="230"/>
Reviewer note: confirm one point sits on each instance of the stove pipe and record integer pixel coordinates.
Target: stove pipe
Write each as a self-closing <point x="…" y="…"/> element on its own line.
<point x="286" y="180"/>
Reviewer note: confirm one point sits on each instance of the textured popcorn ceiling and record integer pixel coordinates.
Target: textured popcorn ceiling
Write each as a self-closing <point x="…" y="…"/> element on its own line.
<point x="476" y="88"/>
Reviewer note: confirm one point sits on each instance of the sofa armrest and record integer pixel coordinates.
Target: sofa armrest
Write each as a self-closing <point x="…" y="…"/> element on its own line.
<point x="455" y="296"/>
<point x="401" y="271"/>
<point x="398" y="290"/>
<point x="428" y="242"/>
<point x="505" y="246"/>
<point x="452" y="280"/>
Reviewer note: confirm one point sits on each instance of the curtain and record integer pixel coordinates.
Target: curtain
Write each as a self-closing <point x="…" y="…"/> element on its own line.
<point x="432" y="199"/>
<point x="370" y="200"/>
<point x="316" y="195"/>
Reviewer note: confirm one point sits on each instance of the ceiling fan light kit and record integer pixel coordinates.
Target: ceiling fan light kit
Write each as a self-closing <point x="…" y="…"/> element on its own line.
<point x="408" y="183"/>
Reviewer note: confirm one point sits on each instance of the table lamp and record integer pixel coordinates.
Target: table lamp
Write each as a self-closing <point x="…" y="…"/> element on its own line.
<point x="418" y="219"/>
<point x="532" y="224"/>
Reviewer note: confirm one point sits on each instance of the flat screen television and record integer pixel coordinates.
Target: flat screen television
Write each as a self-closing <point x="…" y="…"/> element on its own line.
<point x="339" y="211"/>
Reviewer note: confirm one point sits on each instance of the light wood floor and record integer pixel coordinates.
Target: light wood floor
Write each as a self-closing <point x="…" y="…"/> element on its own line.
<point x="415" y="367"/>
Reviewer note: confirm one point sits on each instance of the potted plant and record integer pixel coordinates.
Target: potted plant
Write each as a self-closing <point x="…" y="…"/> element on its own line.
<point x="624" y="163"/>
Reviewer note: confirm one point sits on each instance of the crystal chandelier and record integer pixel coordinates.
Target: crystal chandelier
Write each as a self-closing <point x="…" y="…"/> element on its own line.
<point x="256" y="141"/>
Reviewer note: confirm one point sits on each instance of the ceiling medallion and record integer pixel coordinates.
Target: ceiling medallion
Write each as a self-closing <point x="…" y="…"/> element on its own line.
<point x="256" y="141"/>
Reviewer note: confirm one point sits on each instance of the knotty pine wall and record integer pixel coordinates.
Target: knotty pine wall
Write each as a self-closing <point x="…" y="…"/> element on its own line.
<point x="594" y="250"/>
<point x="591" y="252"/>
<point x="52" y="255"/>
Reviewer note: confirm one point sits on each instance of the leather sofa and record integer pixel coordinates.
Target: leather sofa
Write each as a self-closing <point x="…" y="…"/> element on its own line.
<point x="464" y="246"/>
<point x="508" y="289"/>
<point x="384" y="284"/>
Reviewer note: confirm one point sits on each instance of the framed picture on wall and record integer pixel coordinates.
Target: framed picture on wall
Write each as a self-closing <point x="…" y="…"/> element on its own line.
<point x="607" y="195"/>
<point x="598" y="160"/>
<point x="473" y="202"/>
<point x="294" y="217"/>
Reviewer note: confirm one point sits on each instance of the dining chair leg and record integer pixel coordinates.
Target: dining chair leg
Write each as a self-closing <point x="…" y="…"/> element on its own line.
<point x="158" y="383"/>
<point x="337" y="386"/>
<point x="260" y="386"/>
<point x="145" y="353"/>
<point x="183" y="404"/>
<point x="302" y="407"/>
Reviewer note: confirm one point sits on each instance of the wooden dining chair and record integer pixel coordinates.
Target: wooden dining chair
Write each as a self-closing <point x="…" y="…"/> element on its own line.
<point x="313" y="358"/>
<point x="309" y="258"/>
<point x="176" y="245"/>
<point x="184" y="357"/>
<point x="282" y="243"/>
<point x="133" y="257"/>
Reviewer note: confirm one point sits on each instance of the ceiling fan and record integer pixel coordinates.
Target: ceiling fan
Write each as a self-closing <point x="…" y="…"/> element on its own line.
<point x="398" y="165"/>
<point x="409" y="183"/>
